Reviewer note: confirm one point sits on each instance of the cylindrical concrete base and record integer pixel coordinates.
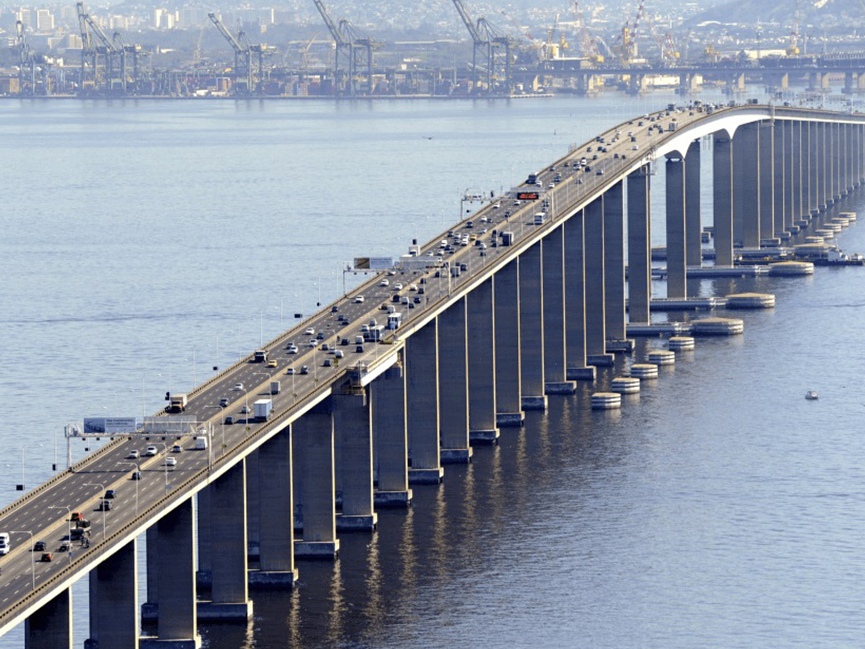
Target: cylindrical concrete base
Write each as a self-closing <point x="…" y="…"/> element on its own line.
<point x="606" y="401"/>
<point x="792" y="268"/>
<point x="625" y="385"/>
<point x="717" y="327"/>
<point x="662" y="357"/>
<point x="751" y="301"/>
<point x="644" y="371"/>
<point x="681" y="343"/>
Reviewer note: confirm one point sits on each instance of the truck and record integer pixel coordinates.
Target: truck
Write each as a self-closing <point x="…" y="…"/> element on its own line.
<point x="274" y="387"/>
<point x="540" y="218"/>
<point x="507" y="238"/>
<point x="177" y="402"/>
<point x="262" y="408"/>
<point x="532" y="179"/>
<point x="260" y="356"/>
<point x="200" y="444"/>
<point x="394" y="320"/>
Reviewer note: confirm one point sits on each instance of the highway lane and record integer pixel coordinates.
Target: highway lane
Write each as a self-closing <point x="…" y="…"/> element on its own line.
<point x="112" y="469"/>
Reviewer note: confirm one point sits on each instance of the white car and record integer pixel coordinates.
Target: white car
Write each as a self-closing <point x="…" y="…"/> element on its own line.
<point x="289" y="371"/>
<point x="309" y="332"/>
<point x="151" y="451"/>
<point x="292" y="349"/>
<point x="384" y="282"/>
<point x="238" y="386"/>
<point x="5" y="544"/>
<point x="170" y="461"/>
<point x="397" y="286"/>
<point x="358" y="299"/>
<point x="133" y="454"/>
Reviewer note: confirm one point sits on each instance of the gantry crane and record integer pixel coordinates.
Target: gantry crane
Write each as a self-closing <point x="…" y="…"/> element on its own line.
<point x="26" y="62"/>
<point x="88" y="52"/>
<point x="242" y="71"/>
<point x="112" y="53"/>
<point x="260" y="50"/>
<point x="479" y="43"/>
<point x="126" y="51"/>
<point x="349" y="43"/>
<point x="588" y="45"/>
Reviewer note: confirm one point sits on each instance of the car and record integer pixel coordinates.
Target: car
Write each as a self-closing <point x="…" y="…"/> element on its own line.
<point x="600" y="172"/>
<point x="151" y="451"/>
<point x="290" y="371"/>
<point x="228" y="421"/>
<point x="271" y="363"/>
<point x="327" y="362"/>
<point x="47" y="557"/>
<point x="412" y="287"/>
<point x="417" y="300"/>
<point x="358" y="349"/>
<point x="309" y="331"/>
<point x="319" y="335"/>
<point x="136" y="475"/>
<point x="133" y="454"/>
<point x="105" y="505"/>
<point x="338" y="353"/>
<point x="244" y="410"/>
<point x="223" y="402"/>
<point x="358" y="299"/>
<point x="292" y="349"/>
<point x="304" y="369"/>
<point x="177" y="448"/>
<point x="397" y="286"/>
<point x="635" y="148"/>
<point x="344" y="341"/>
<point x="238" y="386"/>
<point x="110" y="494"/>
<point x="312" y="343"/>
<point x="325" y="347"/>
<point x="334" y="308"/>
<point x="170" y="461"/>
<point x="39" y="546"/>
<point x="383" y="283"/>
<point x="420" y="290"/>
<point x="5" y="544"/>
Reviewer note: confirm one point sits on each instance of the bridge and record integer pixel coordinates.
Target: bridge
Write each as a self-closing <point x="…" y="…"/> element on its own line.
<point x="488" y="320"/>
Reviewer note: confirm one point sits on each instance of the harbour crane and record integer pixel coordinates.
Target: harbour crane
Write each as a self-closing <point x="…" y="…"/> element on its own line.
<point x="127" y="51"/>
<point x="260" y="50"/>
<point x="479" y="43"/>
<point x="242" y="71"/>
<point x="348" y="43"/>
<point x="588" y="45"/>
<point x="26" y="62"/>
<point x="105" y="47"/>
<point x="88" y="53"/>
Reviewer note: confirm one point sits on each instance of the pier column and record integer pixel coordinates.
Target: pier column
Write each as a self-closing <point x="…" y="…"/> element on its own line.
<point x="454" y="384"/>
<point x="228" y="546"/>
<point x="253" y="505"/>
<point x="276" y="513"/>
<point x="809" y="200"/>
<point x="789" y="170"/>
<point x="816" y="204"/>
<point x="353" y="424"/>
<point x="614" y="269"/>
<point x="767" y="180"/>
<point x="639" y="246"/>
<point x="532" y="329"/>
<point x="508" y="381"/>
<point x="677" y="270"/>
<point x="202" y="536"/>
<point x="314" y="436"/>
<point x="480" y="305"/>
<point x="50" y="627"/>
<point x="390" y="435"/>
<point x="575" y="300"/>
<point x="693" y="217"/>
<point x="779" y="162"/>
<point x="114" y="601"/>
<point x="175" y="572"/>
<point x="422" y="381"/>
<point x="722" y="193"/>
<point x="553" y="250"/>
<point x="746" y="185"/>
<point x="596" y="335"/>
<point x="740" y="153"/>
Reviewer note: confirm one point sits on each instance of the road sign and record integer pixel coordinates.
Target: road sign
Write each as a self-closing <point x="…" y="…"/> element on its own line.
<point x="528" y="196"/>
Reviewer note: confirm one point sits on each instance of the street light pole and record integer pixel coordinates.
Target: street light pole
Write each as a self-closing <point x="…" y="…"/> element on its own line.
<point x="32" y="560"/>
<point x="68" y="525"/>
<point x="102" y="506"/>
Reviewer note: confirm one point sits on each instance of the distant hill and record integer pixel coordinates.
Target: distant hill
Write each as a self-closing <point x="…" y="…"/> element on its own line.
<point x="816" y="12"/>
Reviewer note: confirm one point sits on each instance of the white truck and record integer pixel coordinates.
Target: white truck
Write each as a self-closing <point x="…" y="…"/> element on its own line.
<point x="177" y="403"/>
<point x="200" y="444"/>
<point x="262" y="408"/>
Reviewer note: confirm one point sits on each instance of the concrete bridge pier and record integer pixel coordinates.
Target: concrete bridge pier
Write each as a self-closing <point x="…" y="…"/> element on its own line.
<point x="482" y="363"/>
<point x="390" y="438"/>
<point x="636" y="83"/>
<point x="677" y="269"/>
<point x="766" y="133"/>
<point x="746" y="185"/>
<point x="532" y="329"/>
<point x="814" y="160"/>
<point x="314" y="437"/>
<point x="454" y="385"/>
<point x="174" y="573"/>
<point x="575" y="301"/>
<point x="50" y="627"/>
<point x="422" y="382"/>
<point x="639" y="246"/>
<point x="614" y="271"/>
<point x="779" y="167"/>
<point x="807" y="157"/>
<point x="693" y="217"/>
<point x="507" y="334"/>
<point x="722" y="195"/>
<point x="553" y="250"/>
<point x="114" y="601"/>
<point x="736" y="82"/>
<point x="595" y="285"/>
<point x="794" y="178"/>
<point x="353" y="425"/>
<point x="228" y="549"/>
<point x="781" y="80"/>
<point x="276" y="513"/>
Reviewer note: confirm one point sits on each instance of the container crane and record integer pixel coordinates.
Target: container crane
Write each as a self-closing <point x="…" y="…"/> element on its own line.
<point x="242" y="71"/>
<point x="127" y="51"/>
<point x="88" y="52"/>
<point x="342" y="46"/>
<point x="105" y="47"/>
<point x="479" y="43"/>
<point x="26" y="62"/>
<point x="358" y="44"/>
<point x="588" y="46"/>
<point x="260" y="50"/>
<point x="498" y="56"/>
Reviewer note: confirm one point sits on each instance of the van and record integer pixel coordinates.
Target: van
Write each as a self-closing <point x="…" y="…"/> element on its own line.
<point x="5" y="543"/>
<point x="200" y="444"/>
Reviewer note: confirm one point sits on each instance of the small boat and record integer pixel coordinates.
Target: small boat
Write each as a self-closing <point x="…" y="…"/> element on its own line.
<point x="811" y="395"/>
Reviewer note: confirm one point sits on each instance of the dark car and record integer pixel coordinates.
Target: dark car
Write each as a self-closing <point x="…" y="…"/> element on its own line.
<point x="136" y="475"/>
<point x="229" y="420"/>
<point x="110" y="493"/>
<point x="47" y="557"/>
<point x="39" y="546"/>
<point x="105" y="505"/>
